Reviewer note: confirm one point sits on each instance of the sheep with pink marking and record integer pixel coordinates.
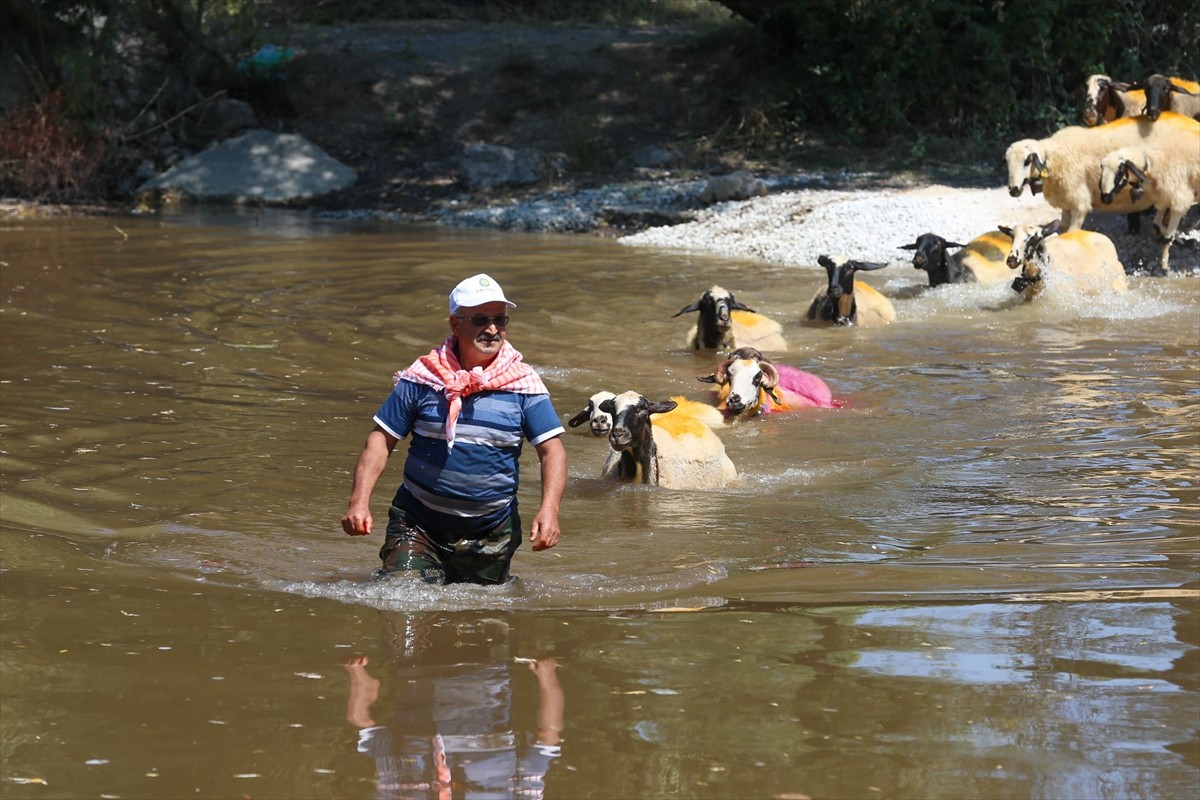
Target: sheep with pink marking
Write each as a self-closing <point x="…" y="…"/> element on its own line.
<point x="748" y="384"/>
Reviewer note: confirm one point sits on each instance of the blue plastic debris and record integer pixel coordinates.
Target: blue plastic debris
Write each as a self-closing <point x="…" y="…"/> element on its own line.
<point x="266" y="63"/>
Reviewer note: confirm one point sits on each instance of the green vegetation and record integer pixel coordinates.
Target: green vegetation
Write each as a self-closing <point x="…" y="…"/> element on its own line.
<point x="92" y="88"/>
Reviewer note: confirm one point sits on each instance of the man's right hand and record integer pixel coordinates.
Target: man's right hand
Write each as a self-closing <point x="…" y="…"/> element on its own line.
<point x="357" y="521"/>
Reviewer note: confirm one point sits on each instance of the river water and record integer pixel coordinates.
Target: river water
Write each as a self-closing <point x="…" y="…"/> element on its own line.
<point x="977" y="579"/>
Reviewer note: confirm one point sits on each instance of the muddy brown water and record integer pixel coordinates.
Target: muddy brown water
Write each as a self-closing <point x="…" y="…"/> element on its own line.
<point x="978" y="579"/>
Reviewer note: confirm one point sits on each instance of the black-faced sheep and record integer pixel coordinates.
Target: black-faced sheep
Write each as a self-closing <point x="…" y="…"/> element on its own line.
<point x="1171" y="180"/>
<point x="599" y="422"/>
<point x="1079" y="262"/>
<point x="725" y="323"/>
<point x="980" y="260"/>
<point x="748" y="384"/>
<point x="845" y="301"/>
<point x="653" y="444"/>
<point x="1170" y="94"/>
<point x="1068" y="162"/>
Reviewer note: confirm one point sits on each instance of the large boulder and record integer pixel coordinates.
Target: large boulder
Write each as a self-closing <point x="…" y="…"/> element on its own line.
<point x="258" y="166"/>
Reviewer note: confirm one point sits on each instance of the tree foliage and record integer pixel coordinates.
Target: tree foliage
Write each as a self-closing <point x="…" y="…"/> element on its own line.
<point x="90" y="87"/>
<point x="874" y="69"/>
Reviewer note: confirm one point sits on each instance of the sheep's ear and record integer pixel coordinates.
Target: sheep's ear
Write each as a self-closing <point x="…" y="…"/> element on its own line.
<point x="1051" y="228"/>
<point x="740" y="306"/>
<point x="771" y="394"/>
<point x="1125" y="86"/>
<point x="912" y="246"/>
<point x="663" y="406"/>
<point x="867" y="266"/>
<point x="953" y="244"/>
<point x="770" y="375"/>
<point x="826" y="262"/>
<point x="1007" y="231"/>
<point x="580" y="418"/>
<point x="608" y="406"/>
<point x="688" y="309"/>
<point x="1181" y="89"/>
<point x="707" y="378"/>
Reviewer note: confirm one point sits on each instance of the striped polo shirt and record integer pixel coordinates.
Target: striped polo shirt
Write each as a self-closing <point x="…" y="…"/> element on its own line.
<point x="471" y="488"/>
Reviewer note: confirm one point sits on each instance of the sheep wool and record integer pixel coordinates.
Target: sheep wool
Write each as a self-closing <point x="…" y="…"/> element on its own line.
<point x="751" y="329"/>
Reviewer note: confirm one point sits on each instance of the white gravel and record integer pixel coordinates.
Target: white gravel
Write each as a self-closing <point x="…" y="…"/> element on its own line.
<point x="793" y="228"/>
<point x="802" y="217"/>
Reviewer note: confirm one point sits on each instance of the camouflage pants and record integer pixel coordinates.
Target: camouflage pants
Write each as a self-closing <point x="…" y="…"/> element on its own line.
<point x="409" y="548"/>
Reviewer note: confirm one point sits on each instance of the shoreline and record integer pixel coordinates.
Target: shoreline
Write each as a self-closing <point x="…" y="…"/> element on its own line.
<point x="799" y="218"/>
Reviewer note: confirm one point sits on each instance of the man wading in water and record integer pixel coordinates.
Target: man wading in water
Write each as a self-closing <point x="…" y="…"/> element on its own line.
<point x="469" y="405"/>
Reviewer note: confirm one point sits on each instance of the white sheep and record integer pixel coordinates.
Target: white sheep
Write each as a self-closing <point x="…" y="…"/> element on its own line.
<point x="980" y="260"/>
<point x="1067" y="164"/>
<point x="748" y="384"/>
<point x="1082" y="262"/>
<point x="725" y="323"/>
<point x="654" y="444"/>
<point x="1171" y="180"/>
<point x="846" y="301"/>
<point x="599" y="422"/>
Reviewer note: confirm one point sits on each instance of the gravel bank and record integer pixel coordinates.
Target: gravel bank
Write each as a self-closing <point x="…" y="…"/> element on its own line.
<point x="804" y="217"/>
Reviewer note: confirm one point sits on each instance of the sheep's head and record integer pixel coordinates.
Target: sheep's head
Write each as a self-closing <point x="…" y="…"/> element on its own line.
<point x="716" y="307"/>
<point x="841" y="286"/>
<point x="746" y="376"/>
<point x="1026" y="166"/>
<point x="631" y="418"/>
<point x="1097" y="101"/>
<point x="1123" y="167"/>
<point x="1159" y="89"/>
<point x="930" y="251"/>
<point x="1026" y="249"/>
<point x="599" y="422"/>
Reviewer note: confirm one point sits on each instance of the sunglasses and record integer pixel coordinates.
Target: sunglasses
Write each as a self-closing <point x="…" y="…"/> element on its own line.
<point x="483" y="320"/>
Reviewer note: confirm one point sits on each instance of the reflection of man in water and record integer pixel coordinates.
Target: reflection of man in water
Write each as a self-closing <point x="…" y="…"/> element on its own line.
<point x="453" y="733"/>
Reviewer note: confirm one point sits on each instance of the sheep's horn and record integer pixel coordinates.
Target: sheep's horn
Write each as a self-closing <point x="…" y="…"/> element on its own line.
<point x="770" y="376"/>
<point x="1142" y="176"/>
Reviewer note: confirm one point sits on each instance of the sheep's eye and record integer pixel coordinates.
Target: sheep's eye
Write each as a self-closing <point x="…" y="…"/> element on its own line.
<point x="758" y="379"/>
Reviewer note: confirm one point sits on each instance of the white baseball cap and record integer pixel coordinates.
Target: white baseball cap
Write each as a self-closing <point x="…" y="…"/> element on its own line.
<point x="475" y="291"/>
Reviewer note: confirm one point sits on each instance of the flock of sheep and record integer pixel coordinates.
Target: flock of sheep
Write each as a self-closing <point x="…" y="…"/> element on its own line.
<point x="672" y="442"/>
<point x="1139" y="149"/>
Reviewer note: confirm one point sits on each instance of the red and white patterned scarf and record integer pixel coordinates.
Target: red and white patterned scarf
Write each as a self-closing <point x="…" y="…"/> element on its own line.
<point x="441" y="370"/>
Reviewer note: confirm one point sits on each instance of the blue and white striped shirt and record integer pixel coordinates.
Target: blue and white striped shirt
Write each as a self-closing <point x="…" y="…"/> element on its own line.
<point x="467" y="490"/>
